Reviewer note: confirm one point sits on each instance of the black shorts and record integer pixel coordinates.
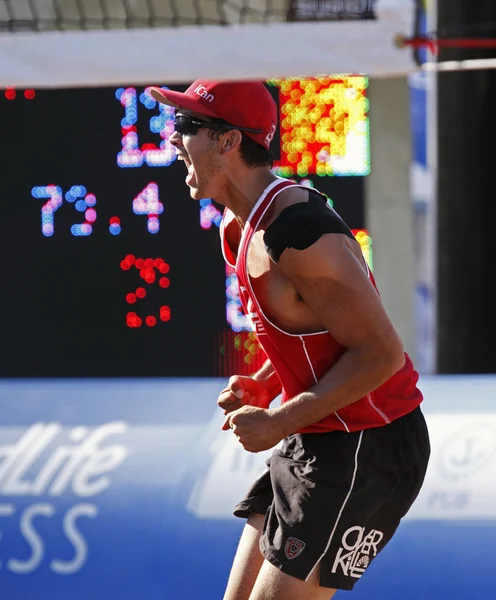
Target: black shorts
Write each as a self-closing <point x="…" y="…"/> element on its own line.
<point x="335" y="499"/>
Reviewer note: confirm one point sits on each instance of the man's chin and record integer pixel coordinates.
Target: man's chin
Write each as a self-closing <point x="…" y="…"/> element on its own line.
<point x="195" y="193"/>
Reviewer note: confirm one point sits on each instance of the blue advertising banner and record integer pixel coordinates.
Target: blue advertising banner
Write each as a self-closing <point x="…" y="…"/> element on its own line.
<point x="124" y="489"/>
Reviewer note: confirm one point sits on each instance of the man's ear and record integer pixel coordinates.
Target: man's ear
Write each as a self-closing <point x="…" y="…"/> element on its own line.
<point x="230" y="140"/>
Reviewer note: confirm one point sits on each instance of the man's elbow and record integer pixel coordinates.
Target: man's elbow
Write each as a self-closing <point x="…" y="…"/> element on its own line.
<point x="386" y="358"/>
<point x="394" y="358"/>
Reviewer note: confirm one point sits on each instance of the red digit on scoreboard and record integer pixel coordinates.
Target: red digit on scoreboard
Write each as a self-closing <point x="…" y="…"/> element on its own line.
<point x="153" y="271"/>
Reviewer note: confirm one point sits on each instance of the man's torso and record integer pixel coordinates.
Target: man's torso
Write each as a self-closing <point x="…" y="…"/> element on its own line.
<point x="299" y="347"/>
<point x="278" y="298"/>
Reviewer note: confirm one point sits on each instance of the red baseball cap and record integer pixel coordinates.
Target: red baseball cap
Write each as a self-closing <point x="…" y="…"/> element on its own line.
<point x="243" y="104"/>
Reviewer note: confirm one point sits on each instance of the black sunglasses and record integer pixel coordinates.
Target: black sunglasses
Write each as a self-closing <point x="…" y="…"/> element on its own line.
<point x="186" y="125"/>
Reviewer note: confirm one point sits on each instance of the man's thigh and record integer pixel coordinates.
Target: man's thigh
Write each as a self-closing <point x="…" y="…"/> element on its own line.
<point x="273" y="584"/>
<point x="247" y="561"/>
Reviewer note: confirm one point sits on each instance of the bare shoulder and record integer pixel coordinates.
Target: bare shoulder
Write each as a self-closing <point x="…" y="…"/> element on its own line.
<point x="289" y="196"/>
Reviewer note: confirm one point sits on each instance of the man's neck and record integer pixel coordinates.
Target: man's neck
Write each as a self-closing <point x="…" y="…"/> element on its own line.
<point x="242" y="192"/>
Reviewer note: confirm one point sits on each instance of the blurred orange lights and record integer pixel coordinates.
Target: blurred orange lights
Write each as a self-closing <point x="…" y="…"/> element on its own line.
<point x="324" y="126"/>
<point x="363" y="238"/>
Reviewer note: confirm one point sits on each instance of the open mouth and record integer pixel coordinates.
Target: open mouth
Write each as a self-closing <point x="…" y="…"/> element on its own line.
<point x="191" y="173"/>
<point x="185" y="159"/>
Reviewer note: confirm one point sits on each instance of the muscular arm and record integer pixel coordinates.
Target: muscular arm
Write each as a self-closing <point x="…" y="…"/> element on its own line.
<point x="333" y="283"/>
<point x="268" y="377"/>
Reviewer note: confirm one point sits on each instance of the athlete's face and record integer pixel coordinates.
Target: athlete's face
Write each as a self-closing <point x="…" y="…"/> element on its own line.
<point x="198" y="149"/>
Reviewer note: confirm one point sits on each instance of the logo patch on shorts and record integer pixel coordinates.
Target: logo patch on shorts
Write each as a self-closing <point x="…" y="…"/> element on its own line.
<point x="293" y="548"/>
<point x="358" y="548"/>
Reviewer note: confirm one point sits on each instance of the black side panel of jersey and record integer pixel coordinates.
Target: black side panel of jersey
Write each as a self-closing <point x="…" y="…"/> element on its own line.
<point x="300" y="225"/>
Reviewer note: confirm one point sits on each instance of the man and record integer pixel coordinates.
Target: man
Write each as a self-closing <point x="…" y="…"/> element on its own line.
<point x="354" y="443"/>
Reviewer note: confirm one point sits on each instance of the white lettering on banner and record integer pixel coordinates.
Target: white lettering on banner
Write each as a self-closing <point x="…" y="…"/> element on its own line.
<point x="461" y="479"/>
<point x="35" y="466"/>
<point x="66" y="465"/>
<point x="202" y="91"/>
<point x="468" y="451"/>
<point x="32" y="538"/>
<point x="357" y="551"/>
<point x="447" y="501"/>
<point x="6" y="510"/>
<point x="76" y="539"/>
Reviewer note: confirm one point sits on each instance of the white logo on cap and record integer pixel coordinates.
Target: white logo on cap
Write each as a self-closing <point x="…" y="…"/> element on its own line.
<point x="202" y="91"/>
<point x="270" y="135"/>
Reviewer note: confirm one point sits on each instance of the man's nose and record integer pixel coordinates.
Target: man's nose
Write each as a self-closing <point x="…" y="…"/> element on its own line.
<point x="176" y="139"/>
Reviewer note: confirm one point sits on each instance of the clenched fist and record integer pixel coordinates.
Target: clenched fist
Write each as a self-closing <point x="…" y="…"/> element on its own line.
<point x="241" y="391"/>
<point x="257" y="429"/>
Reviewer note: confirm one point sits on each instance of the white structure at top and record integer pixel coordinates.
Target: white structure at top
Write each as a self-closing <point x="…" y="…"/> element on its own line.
<point x="181" y="54"/>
